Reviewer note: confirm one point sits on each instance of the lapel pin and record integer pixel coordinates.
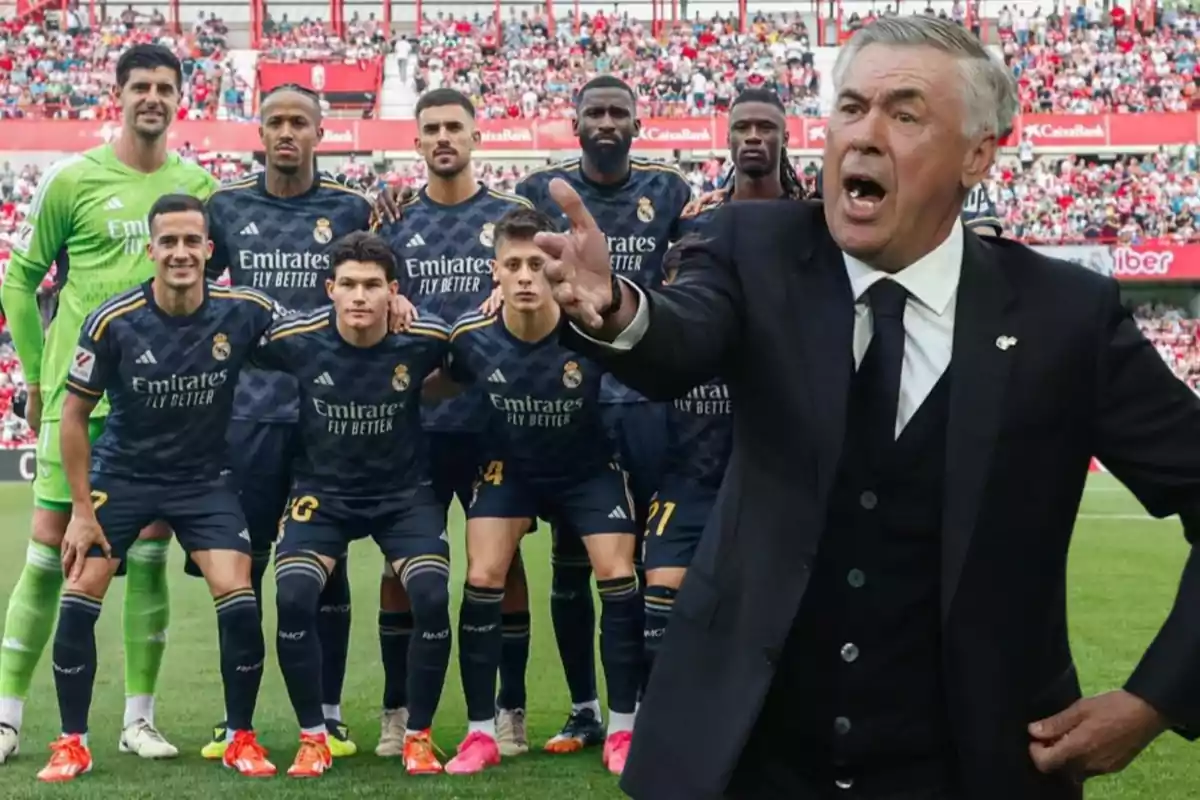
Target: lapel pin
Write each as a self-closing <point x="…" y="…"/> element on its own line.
<point x="1005" y="342"/>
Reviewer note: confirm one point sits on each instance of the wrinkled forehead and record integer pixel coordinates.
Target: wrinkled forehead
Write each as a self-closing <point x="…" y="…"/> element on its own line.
<point x="886" y="73"/>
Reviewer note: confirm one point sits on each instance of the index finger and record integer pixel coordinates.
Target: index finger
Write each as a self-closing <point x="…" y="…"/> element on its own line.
<point x="572" y="205"/>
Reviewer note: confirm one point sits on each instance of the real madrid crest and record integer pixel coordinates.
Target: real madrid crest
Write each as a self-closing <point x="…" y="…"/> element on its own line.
<point x="645" y="210"/>
<point x="221" y="349"/>
<point x="323" y="232"/>
<point x="400" y="378"/>
<point x="572" y="377"/>
<point x="487" y="236"/>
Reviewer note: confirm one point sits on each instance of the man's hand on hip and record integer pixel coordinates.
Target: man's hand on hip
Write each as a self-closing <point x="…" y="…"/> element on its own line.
<point x="1095" y="736"/>
<point x="579" y="269"/>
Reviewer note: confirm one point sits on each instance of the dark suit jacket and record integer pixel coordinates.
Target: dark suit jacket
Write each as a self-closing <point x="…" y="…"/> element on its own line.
<point x="766" y="304"/>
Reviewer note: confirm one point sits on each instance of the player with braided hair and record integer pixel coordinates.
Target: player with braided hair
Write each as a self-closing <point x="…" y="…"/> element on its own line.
<point x="760" y="168"/>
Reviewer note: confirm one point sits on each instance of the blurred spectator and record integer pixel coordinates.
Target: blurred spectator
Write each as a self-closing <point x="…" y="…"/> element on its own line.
<point x="1129" y="199"/>
<point x="1175" y="336"/>
<point x="49" y="72"/>
<point x="1090" y="63"/>
<point x="692" y="68"/>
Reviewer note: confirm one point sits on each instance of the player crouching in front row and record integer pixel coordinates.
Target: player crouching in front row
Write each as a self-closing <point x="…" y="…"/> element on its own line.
<point x="167" y="354"/>
<point x="363" y="472"/>
<point x="550" y="458"/>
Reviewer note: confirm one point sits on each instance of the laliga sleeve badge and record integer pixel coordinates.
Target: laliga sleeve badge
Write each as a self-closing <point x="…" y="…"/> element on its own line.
<point x="221" y="349"/>
<point x="400" y="378"/>
<point x="323" y="232"/>
<point x="645" y="209"/>
<point x="572" y="377"/>
<point x="487" y="236"/>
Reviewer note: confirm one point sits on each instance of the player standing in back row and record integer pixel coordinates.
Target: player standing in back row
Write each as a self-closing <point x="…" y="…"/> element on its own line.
<point x="94" y="207"/>
<point x="444" y="252"/>
<point x="272" y="232"/>
<point x="637" y="203"/>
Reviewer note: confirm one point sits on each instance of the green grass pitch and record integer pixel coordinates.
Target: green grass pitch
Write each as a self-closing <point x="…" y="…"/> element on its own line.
<point x="1124" y="570"/>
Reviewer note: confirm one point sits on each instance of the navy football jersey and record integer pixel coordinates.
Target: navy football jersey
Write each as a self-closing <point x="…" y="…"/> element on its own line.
<point x="445" y="257"/>
<point x="980" y="212"/>
<point x="700" y="424"/>
<point x="700" y="435"/>
<point x="278" y="245"/>
<point x="360" y="415"/>
<point x="542" y="400"/>
<point x="640" y="218"/>
<point x="170" y="380"/>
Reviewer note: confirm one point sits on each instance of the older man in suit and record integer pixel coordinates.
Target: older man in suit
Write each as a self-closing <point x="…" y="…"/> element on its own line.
<point x="878" y="609"/>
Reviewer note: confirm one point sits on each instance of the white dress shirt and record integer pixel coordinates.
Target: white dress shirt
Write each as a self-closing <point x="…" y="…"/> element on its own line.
<point x="932" y="285"/>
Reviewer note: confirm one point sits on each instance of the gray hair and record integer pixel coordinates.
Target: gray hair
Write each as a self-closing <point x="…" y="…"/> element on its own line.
<point x="989" y="89"/>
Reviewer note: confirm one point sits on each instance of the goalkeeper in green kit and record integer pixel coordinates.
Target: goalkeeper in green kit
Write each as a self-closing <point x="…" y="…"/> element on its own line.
<point x="94" y="206"/>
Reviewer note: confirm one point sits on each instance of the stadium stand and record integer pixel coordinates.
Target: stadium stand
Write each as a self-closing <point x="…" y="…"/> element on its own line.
<point x="58" y="67"/>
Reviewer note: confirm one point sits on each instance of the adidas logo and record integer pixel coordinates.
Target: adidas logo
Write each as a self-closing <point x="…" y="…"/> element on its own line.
<point x="146" y="358"/>
<point x="496" y="377"/>
<point x="415" y="241"/>
<point x="114" y="204"/>
<point x="323" y="379"/>
<point x="618" y="513"/>
<point x="249" y="230"/>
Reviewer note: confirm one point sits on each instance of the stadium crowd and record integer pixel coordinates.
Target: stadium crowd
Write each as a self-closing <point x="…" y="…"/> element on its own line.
<point x="64" y="70"/>
<point x="691" y="69"/>
<point x="1089" y="63"/>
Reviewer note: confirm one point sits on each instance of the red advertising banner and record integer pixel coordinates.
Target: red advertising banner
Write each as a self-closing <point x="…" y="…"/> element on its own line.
<point x="1149" y="261"/>
<point x="330" y="77"/>
<point x="1075" y="133"/>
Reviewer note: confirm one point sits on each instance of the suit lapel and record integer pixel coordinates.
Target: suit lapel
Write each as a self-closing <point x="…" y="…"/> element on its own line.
<point x="821" y="296"/>
<point x="979" y="374"/>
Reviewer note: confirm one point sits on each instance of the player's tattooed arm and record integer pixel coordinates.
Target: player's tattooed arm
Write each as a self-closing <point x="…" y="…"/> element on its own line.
<point x="83" y="531"/>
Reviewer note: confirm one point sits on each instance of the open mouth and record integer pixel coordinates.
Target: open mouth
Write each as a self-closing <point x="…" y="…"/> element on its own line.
<point x="865" y="195"/>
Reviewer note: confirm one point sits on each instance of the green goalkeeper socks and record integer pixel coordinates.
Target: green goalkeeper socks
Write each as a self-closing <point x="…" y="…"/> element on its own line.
<point x="32" y="609"/>
<point x="147" y="613"/>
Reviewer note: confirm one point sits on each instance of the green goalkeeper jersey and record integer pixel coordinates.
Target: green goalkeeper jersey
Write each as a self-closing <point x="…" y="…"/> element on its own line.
<point x="93" y="207"/>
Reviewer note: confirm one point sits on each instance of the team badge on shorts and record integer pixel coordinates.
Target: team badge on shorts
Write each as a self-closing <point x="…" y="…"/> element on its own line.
<point x="487" y="236"/>
<point x="221" y="349"/>
<point x="400" y="378"/>
<point x="572" y="377"/>
<point x="323" y="233"/>
<point x="645" y="211"/>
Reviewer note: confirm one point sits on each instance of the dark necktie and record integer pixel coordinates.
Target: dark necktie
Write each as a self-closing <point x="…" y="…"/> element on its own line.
<point x="878" y="378"/>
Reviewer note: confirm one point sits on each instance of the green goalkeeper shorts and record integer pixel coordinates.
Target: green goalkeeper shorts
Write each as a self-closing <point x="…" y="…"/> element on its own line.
<point x="50" y="488"/>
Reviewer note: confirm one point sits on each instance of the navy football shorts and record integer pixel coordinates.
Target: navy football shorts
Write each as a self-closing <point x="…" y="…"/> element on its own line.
<point x="453" y="465"/>
<point x="598" y="504"/>
<point x="260" y="474"/>
<point x="678" y="514"/>
<point x="640" y="433"/>
<point x="205" y="515"/>
<point x="404" y="525"/>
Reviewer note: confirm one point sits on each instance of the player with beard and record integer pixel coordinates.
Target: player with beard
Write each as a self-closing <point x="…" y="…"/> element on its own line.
<point x="443" y="244"/>
<point x="272" y="231"/>
<point x="94" y="207"/>
<point x="637" y="203"/>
